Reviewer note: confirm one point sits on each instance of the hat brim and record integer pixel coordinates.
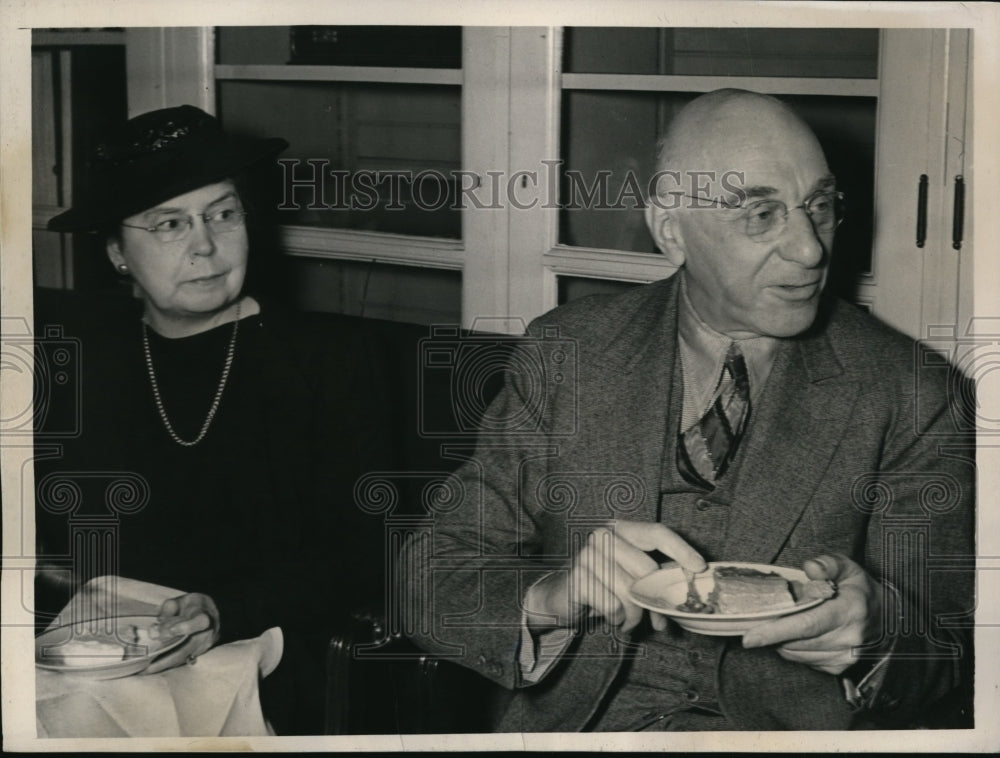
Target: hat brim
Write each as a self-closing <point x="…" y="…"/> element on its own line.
<point x="148" y="185"/>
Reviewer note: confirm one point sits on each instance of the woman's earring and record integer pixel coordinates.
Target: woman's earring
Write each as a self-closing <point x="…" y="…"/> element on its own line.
<point x="123" y="268"/>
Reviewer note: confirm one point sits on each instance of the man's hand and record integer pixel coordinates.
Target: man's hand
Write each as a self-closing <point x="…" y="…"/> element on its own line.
<point x="194" y="614"/>
<point x="824" y="637"/>
<point x="599" y="576"/>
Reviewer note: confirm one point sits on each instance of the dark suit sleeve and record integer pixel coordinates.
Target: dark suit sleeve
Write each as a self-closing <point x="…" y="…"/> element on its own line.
<point x="898" y="498"/>
<point x="921" y="539"/>
<point x="463" y="573"/>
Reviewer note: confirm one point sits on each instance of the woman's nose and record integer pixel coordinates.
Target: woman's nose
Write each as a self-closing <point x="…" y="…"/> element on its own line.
<point x="201" y="241"/>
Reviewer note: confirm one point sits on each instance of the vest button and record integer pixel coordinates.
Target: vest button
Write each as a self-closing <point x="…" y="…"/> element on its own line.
<point x="691" y="695"/>
<point x="702" y="505"/>
<point x="694" y="656"/>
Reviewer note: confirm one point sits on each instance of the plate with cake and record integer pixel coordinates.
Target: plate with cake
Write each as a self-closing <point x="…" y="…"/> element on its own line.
<point x="108" y="648"/>
<point x="729" y="597"/>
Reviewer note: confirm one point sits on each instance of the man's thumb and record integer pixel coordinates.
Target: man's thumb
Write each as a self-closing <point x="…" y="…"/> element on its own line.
<point x="825" y="567"/>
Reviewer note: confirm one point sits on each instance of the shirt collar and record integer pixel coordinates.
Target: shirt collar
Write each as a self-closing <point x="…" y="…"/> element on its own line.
<point x="703" y="352"/>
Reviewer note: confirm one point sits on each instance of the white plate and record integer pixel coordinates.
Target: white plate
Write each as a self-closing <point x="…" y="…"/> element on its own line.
<point x="49" y="646"/>
<point x="664" y="590"/>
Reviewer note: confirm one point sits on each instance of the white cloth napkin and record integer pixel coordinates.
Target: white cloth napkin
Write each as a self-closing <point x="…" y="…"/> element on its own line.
<point x="218" y="696"/>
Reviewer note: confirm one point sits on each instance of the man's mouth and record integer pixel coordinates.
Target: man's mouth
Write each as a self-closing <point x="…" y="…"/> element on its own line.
<point x="798" y="291"/>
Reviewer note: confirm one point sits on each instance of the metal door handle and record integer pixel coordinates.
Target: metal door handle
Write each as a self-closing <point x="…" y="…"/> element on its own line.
<point x="958" y="215"/>
<point x="922" y="211"/>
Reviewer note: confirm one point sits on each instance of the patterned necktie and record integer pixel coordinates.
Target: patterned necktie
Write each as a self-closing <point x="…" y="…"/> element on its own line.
<point x="706" y="449"/>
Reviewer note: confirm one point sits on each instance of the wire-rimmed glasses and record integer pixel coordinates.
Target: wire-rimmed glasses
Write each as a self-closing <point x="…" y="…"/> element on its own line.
<point x="766" y="219"/>
<point x="176" y="228"/>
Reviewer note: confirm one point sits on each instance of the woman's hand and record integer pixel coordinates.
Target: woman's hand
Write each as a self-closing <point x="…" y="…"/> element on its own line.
<point x="193" y="614"/>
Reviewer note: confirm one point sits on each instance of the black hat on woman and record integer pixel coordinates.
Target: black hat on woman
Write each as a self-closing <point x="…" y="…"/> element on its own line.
<point x="156" y="156"/>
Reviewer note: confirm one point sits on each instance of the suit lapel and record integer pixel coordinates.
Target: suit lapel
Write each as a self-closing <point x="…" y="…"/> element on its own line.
<point x="650" y="421"/>
<point x="802" y="417"/>
<point x="639" y="366"/>
<point x="794" y="432"/>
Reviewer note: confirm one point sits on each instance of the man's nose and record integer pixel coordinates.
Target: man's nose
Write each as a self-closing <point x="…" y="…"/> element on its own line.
<point x="201" y="241"/>
<point x="802" y="244"/>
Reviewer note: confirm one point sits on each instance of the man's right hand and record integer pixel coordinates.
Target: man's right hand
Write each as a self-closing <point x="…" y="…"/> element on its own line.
<point x="599" y="576"/>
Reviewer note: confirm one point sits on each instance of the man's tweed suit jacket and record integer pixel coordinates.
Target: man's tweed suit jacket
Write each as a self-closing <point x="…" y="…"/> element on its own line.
<point x="852" y="448"/>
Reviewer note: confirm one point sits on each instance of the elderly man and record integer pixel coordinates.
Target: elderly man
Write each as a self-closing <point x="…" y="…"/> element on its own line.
<point x="731" y="412"/>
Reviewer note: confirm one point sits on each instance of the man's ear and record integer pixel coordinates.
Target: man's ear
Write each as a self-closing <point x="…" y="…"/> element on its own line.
<point x="662" y="223"/>
<point x="114" y="249"/>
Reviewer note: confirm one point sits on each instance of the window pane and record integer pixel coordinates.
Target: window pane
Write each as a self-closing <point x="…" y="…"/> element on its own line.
<point x="395" y="46"/>
<point x="375" y="290"/>
<point x="383" y="155"/>
<point x="609" y="50"/>
<point x="843" y="53"/>
<point x="845" y="127"/>
<point x="258" y="45"/>
<point x="609" y="147"/>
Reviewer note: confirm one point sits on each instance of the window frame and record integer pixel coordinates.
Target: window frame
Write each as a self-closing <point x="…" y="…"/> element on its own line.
<point x="512" y="83"/>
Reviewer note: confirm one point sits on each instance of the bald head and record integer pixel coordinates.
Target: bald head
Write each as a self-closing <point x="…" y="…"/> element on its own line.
<point x="724" y="130"/>
<point x="757" y="157"/>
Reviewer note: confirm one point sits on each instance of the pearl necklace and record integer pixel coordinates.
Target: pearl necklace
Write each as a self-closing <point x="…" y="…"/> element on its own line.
<point x="218" y="393"/>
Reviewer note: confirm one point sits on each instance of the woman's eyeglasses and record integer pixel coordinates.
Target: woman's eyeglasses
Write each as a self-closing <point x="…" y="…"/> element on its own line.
<point x="177" y="228"/>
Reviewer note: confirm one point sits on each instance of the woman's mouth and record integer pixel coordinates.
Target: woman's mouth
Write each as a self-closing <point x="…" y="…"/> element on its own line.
<point x="206" y="280"/>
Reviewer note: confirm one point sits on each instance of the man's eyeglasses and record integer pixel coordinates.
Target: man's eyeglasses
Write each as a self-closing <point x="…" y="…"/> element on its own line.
<point x="178" y="227"/>
<point x="766" y="219"/>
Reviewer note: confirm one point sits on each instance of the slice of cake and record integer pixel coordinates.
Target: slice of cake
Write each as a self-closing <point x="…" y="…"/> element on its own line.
<point x="746" y="590"/>
<point x="89" y="651"/>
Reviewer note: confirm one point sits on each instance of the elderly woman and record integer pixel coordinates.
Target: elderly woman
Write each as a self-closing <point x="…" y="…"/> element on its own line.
<point x="245" y="423"/>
